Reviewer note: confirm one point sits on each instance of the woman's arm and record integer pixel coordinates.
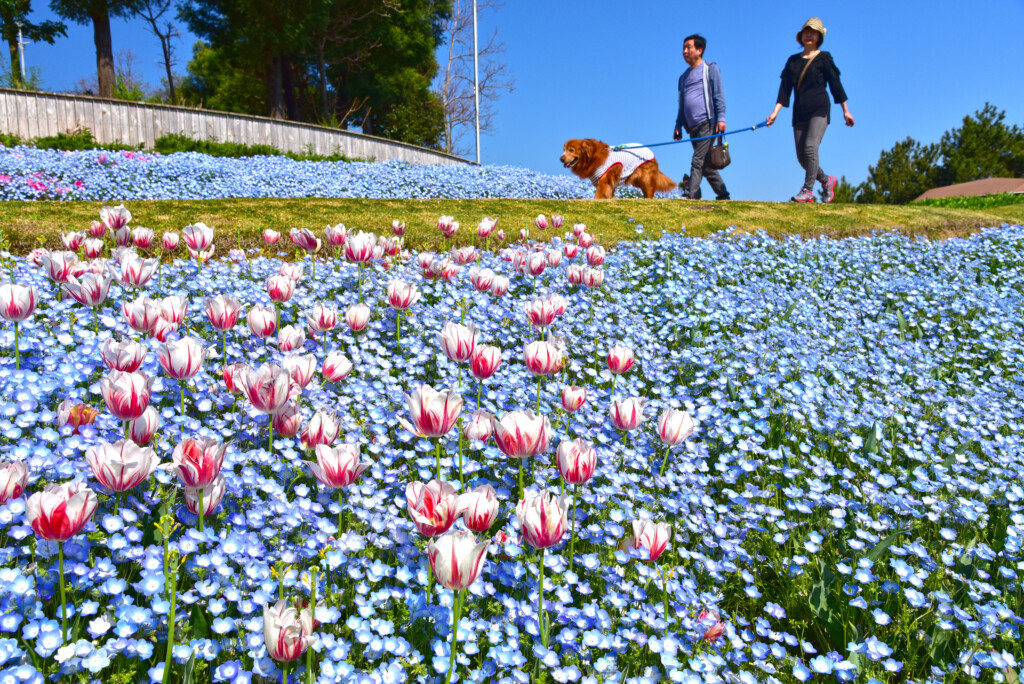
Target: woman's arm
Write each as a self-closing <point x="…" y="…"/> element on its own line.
<point x="782" y="100"/>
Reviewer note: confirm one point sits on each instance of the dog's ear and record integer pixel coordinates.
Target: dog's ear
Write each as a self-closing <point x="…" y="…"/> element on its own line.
<point x="587" y="147"/>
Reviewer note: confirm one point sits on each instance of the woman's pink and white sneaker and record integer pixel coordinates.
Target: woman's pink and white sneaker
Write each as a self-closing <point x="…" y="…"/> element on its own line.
<point x="830" y="189"/>
<point x="804" y="197"/>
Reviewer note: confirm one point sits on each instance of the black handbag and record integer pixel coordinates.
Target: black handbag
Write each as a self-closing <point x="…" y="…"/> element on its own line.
<point x="718" y="155"/>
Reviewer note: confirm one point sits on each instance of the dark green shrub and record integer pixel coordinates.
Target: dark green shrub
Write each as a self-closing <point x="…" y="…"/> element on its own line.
<point x="178" y="142"/>
<point x="8" y="140"/>
<point x="77" y="140"/>
<point x="1001" y="199"/>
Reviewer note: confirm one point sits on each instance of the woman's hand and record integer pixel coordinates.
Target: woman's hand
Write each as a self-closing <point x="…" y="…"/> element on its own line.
<point x="771" y="118"/>
<point x="848" y="117"/>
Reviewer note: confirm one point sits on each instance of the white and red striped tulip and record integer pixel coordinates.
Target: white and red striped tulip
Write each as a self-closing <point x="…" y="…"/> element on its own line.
<point x="425" y="259"/>
<point x="576" y="461"/>
<point x="433" y="506"/>
<point x="586" y="240"/>
<point x="433" y="413"/>
<point x="163" y="328"/>
<point x="304" y="239"/>
<point x="142" y="429"/>
<point x="142" y="237"/>
<point x="126" y="355"/>
<point x="464" y="256"/>
<point x="142" y="313"/>
<point x="398" y="227"/>
<point x="262" y="321"/>
<point x="301" y="368"/>
<point x="13" y="480"/>
<point x="126" y="394"/>
<point x="556" y="221"/>
<point x="322" y="429"/>
<point x="280" y="288"/>
<point x="593" y="277"/>
<point x="574" y="274"/>
<point x="222" y="311"/>
<point x="211" y="496"/>
<point x="322" y="318"/>
<point x="198" y="237"/>
<point x="115" y="218"/>
<point x="336" y="235"/>
<point x="174" y="308"/>
<point x="134" y="271"/>
<point x="181" y="359"/>
<point x="542" y="357"/>
<point x="485" y="361"/>
<point x="456" y="559"/>
<point x="337" y="466"/>
<point x="674" y="426"/>
<point x="570" y="250"/>
<point x="359" y="247"/>
<point x="122" y="465"/>
<point x="499" y="286"/>
<point x="287" y="632"/>
<point x="579" y="229"/>
<point x="479" y="426"/>
<point x="197" y="461"/>
<point x="652" y="537"/>
<point x="481" y="278"/>
<point x="573" y="398"/>
<point x="357" y="317"/>
<point x="90" y="289"/>
<point x="92" y="248"/>
<point x="290" y="338"/>
<point x="521" y="434"/>
<point x="446" y="269"/>
<point x="96" y="229"/>
<point x="543" y="519"/>
<point x="595" y="255"/>
<point x="486" y="227"/>
<point x="59" y="512"/>
<point x="73" y="240"/>
<point x="169" y="241"/>
<point x="59" y="265"/>
<point x="288" y="419"/>
<point x="458" y="341"/>
<point x="535" y="264"/>
<point x="541" y="222"/>
<point x="271" y="236"/>
<point x="336" y="367"/>
<point x="554" y="258"/>
<point x="541" y="312"/>
<point x="266" y="387"/>
<point x="402" y="295"/>
<point x="716" y="628"/>
<point x="620" y="359"/>
<point x="628" y="413"/>
<point x="481" y="506"/>
<point x="447" y="226"/>
<point x="17" y="302"/>
<point x="233" y="377"/>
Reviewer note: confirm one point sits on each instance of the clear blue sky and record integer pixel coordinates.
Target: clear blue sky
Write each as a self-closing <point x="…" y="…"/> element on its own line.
<point x="608" y="70"/>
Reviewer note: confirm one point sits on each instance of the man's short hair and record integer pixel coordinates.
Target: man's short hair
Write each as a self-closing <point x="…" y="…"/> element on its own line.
<point x="698" y="42"/>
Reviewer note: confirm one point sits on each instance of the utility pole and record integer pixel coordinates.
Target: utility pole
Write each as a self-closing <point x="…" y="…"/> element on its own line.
<point x="21" y="53"/>
<point x="476" y="86"/>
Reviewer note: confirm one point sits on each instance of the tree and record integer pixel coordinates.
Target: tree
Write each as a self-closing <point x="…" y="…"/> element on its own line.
<point x="454" y="85"/>
<point x="153" y="11"/>
<point x="214" y="81"/>
<point x="14" y="15"/>
<point x="983" y="147"/>
<point x="99" y="13"/>
<point x="901" y="174"/>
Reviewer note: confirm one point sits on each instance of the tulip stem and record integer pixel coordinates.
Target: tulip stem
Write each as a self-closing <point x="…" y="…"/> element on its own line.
<point x="360" y="282"/>
<point x="173" y="581"/>
<point x="540" y="602"/>
<point x="572" y="539"/>
<point x="437" y="453"/>
<point x="520" y="479"/>
<point x="312" y="607"/>
<point x="17" y="351"/>
<point x="479" y="389"/>
<point x="462" y="476"/>
<point x="398" y="326"/>
<point x="538" y="395"/>
<point x="456" y="616"/>
<point x="200" y="509"/>
<point x="664" y="592"/>
<point x="96" y="320"/>
<point x="63" y="600"/>
<point x="430" y="583"/>
<point x="270" y="434"/>
<point x="224" y="346"/>
<point x="664" y="462"/>
<point x="459" y="366"/>
<point x="182" y="383"/>
<point x="340" y="511"/>
<point x="125" y="429"/>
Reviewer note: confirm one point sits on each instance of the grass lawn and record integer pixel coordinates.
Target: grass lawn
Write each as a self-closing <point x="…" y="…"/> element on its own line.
<point x="30" y="224"/>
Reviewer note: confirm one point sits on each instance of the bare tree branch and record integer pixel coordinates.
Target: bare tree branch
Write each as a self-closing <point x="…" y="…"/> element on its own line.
<point x="454" y="84"/>
<point x="153" y="11"/>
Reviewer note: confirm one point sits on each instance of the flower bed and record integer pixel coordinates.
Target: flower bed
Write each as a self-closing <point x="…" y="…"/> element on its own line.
<point x="848" y="505"/>
<point x="27" y="173"/>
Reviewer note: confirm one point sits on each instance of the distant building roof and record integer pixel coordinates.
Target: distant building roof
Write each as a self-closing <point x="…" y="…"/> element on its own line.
<point x="985" y="186"/>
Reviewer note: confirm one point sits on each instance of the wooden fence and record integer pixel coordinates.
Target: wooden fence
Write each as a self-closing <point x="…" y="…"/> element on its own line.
<point x="29" y="114"/>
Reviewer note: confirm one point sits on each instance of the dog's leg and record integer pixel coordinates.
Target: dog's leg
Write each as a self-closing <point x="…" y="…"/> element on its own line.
<point x="607" y="183"/>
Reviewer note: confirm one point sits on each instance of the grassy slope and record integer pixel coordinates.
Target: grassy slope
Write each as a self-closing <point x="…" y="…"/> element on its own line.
<point x="28" y="224"/>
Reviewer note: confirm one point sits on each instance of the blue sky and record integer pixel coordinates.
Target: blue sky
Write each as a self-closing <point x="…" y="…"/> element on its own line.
<point x="607" y="70"/>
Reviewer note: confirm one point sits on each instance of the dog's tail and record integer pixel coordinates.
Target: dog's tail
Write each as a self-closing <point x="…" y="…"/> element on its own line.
<point x="663" y="183"/>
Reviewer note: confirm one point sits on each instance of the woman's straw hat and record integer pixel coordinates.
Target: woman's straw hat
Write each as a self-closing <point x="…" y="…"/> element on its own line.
<point x="812" y="23"/>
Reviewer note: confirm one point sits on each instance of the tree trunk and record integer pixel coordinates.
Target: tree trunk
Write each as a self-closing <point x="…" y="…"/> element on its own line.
<point x="322" y="70"/>
<point x="275" y="99"/>
<point x="104" y="50"/>
<point x="12" y="45"/>
<point x="288" y="89"/>
<point x="165" y="43"/>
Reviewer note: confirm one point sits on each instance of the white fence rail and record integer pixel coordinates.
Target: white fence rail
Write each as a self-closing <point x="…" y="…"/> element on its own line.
<point x="29" y="114"/>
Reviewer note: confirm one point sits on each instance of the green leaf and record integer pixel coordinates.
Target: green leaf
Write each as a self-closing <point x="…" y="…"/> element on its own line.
<point x="200" y="628"/>
<point x="871" y="441"/>
<point x="789" y="312"/>
<point x="874" y="554"/>
<point x="1011" y="676"/>
<point x="188" y="676"/>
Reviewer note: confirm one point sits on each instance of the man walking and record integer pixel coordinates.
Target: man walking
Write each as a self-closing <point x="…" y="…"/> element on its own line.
<point x="701" y="113"/>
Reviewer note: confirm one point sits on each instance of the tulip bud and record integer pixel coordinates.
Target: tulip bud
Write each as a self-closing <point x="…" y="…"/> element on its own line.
<point x="13" y="480"/>
<point x="142" y="429"/>
<point x="620" y="359"/>
<point x="357" y="316"/>
<point x="433" y="506"/>
<point x="653" y="537"/>
<point x="262" y="321"/>
<point x="456" y="559"/>
<point x="59" y="512"/>
<point x="543" y="519"/>
<point x="674" y="426"/>
<point x="336" y="367"/>
<point x="627" y="414"/>
<point x="338" y="466"/>
<point x="573" y="398"/>
<point x="481" y="506"/>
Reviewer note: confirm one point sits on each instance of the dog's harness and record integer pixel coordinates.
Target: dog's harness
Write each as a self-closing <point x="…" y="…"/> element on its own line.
<point x="630" y="160"/>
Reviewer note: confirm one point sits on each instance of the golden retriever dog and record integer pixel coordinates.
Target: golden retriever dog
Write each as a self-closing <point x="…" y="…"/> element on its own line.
<point x="607" y="169"/>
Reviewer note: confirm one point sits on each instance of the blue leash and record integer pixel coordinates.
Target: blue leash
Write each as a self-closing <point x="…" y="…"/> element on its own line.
<point x="706" y="137"/>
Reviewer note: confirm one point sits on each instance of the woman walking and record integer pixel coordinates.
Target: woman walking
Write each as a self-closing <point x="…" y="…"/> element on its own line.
<point x="806" y="75"/>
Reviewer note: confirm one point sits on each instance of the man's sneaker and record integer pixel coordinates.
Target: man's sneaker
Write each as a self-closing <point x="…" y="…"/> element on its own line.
<point x="830" y="189"/>
<point x="804" y="197"/>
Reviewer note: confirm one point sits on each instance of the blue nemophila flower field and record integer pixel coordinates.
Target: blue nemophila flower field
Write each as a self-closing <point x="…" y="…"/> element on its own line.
<point x="31" y="174"/>
<point x="847" y="508"/>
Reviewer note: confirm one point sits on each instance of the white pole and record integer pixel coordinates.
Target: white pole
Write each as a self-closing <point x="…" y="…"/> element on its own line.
<point x="476" y="86"/>
<point x="21" y="55"/>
